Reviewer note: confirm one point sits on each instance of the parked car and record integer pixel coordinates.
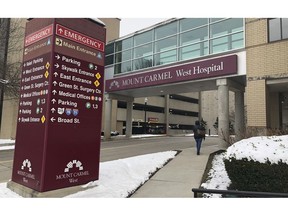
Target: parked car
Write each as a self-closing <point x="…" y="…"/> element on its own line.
<point x="113" y="133"/>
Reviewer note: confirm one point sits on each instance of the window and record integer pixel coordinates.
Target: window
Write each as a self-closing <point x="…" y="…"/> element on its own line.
<point x="181" y="40"/>
<point x="274" y="30"/>
<point x="109" y="60"/>
<point x="143" y="38"/>
<point x="142" y="63"/>
<point x="165" y="57"/>
<point x="226" y="27"/>
<point x="190" y="23"/>
<point x="278" y="29"/>
<point x="109" y="49"/>
<point x="194" y="51"/>
<point x="166" y="30"/>
<point x="215" y="19"/>
<point x="194" y="36"/>
<point x="237" y="41"/>
<point x="144" y="50"/>
<point x="284" y="28"/>
<point x="165" y="44"/>
<point x="124" y="44"/>
<point x="123" y="56"/>
<point x="122" y="67"/>
<point x="219" y="44"/>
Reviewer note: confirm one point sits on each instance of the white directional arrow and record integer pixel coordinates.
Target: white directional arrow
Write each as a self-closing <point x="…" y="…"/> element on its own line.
<point x="56" y="65"/>
<point x="57" y="57"/>
<point x="53" y="101"/>
<point x="54" y="83"/>
<point x="19" y="119"/>
<point x="60" y="30"/>
<point x="54" y="92"/>
<point x="55" y="74"/>
<point x="53" y="110"/>
<point x="52" y="119"/>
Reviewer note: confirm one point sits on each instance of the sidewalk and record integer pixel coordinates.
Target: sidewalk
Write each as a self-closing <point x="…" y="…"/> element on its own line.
<point x="177" y="178"/>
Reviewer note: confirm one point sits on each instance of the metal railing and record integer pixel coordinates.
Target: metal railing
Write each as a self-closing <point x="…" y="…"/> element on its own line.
<point x="234" y="193"/>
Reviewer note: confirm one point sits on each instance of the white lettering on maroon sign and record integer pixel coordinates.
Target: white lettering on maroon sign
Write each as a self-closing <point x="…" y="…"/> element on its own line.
<point x="79" y="38"/>
<point x="191" y="71"/>
<point x="38" y="35"/>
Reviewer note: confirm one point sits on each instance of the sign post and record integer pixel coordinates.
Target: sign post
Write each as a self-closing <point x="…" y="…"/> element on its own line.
<point x="60" y="108"/>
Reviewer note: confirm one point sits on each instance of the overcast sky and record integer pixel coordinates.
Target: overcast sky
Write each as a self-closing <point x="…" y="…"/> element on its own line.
<point x="129" y="25"/>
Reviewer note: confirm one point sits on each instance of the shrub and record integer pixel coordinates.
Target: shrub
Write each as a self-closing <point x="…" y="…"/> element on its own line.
<point x="252" y="175"/>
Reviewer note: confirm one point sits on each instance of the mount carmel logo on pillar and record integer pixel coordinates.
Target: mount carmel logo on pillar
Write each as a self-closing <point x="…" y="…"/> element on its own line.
<point x="73" y="171"/>
<point x="26" y="171"/>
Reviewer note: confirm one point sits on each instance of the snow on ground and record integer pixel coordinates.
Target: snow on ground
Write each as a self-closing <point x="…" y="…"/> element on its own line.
<point x="261" y="149"/>
<point x="6" y="144"/>
<point x="6" y="141"/>
<point x="117" y="178"/>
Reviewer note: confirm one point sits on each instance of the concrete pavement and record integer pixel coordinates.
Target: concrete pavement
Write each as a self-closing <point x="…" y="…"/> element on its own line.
<point x="177" y="178"/>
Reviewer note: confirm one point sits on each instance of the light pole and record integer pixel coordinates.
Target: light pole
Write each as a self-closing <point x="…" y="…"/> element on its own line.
<point x="145" y="110"/>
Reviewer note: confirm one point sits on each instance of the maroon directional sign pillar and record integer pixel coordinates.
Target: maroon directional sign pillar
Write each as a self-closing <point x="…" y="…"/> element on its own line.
<point x="60" y="108"/>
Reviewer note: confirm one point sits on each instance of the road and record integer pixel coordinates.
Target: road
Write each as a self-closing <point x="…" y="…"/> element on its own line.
<point x="120" y="148"/>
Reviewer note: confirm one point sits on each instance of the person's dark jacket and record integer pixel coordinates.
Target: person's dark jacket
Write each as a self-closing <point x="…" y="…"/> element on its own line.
<point x="196" y="135"/>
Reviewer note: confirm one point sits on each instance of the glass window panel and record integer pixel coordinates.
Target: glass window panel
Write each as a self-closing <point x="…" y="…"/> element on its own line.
<point x="194" y="51"/>
<point x="215" y="19"/>
<point x="143" y="38"/>
<point x="142" y="63"/>
<point x="190" y="23"/>
<point x="194" y="36"/>
<point x="166" y="57"/>
<point x="124" y="44"/>
<point x="109" y="60"/>
<point x="166" y="30"/>
<point x="123" y="56"/>
<point x="123" y="67"/>
<point x="219" y="45"/>
<point x="226" y="27"/>
<point x="166" y="44"/>
<point x="237" y="41"/>
<point x="143" y="51"/>
<point x="274" y="30"/>
<point x="284" y="28"/>
<point x="109" y="49"/>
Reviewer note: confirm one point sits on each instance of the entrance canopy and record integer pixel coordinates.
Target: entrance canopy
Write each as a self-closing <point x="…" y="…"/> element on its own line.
<point x="186" y="77"/>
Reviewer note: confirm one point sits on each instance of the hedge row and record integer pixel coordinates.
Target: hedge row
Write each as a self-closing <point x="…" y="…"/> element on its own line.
<point x="255" y="176"/>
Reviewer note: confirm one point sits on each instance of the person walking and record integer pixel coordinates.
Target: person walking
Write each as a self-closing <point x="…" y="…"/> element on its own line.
<point x="199" y="135"/>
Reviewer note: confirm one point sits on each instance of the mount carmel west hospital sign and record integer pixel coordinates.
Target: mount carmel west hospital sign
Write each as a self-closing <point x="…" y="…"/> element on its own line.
<point x="197" y="70"/>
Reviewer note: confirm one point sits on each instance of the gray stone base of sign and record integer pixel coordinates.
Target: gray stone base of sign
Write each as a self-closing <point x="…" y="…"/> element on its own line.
<point x="28" y="192"/>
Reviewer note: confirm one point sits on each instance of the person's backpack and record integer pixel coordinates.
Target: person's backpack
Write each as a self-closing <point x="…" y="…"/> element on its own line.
<point x="200" y="131"/>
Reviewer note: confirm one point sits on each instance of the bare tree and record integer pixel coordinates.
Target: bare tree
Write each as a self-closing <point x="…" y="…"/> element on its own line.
<point x="11" y="51"/>
<point x="11" y="71"/>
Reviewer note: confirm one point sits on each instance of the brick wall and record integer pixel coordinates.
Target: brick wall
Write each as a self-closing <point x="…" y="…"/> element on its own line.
<point x="264" y="61"/>
<point x="256" y="103"/>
